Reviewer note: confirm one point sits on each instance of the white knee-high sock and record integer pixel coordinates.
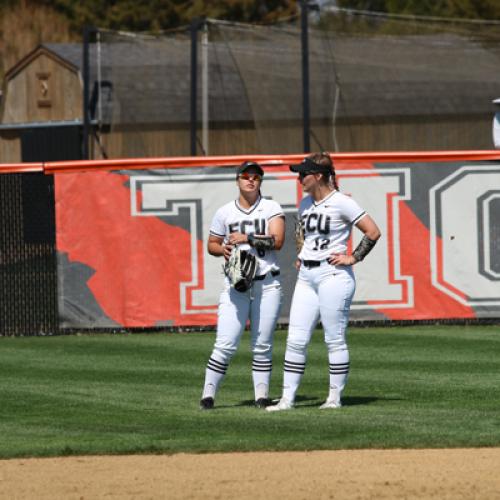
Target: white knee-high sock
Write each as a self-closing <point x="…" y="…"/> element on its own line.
<point x="214" y="374"/>
<point x="339" y="369"/>
<point x="261" y="375"/>
<point x="295" y="365"/>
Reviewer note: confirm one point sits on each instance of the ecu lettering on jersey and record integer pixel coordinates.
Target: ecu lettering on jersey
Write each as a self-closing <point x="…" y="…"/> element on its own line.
<point x="327" y="225"/>
<point x="316" y="222"/>
<point x="256" y="226"/>
<point x="232" y="218"/>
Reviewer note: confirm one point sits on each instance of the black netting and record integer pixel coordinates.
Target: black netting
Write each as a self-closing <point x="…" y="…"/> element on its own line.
<point x="28" y="282"/>
<point x="376" y="83"/>
<point x="144" y="105"/>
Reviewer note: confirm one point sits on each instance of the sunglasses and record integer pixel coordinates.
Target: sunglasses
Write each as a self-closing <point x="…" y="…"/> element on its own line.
<point x="250" y="177"/>
<point x="305" y="174"/>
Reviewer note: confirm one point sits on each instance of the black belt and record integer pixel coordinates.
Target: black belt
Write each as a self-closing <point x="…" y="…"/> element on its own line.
<point x="263" y="276"/>
<point x="312" y="263"/>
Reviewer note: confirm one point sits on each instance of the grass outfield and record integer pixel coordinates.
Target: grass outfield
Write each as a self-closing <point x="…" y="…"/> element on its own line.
<point x="409" y="387"/>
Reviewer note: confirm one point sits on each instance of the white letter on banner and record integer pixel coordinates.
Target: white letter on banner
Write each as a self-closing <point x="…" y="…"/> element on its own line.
<point x="202" y="195"/>
<point x="379" y="193"/>
<point x="459" y="212"/>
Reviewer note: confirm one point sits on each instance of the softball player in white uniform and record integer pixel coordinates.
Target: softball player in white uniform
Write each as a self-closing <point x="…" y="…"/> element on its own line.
<point x="325" y="283"/>
<point x="258" y="225"/>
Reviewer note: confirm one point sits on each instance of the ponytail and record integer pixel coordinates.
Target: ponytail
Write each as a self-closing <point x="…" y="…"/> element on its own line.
<point x="324" y="159"/>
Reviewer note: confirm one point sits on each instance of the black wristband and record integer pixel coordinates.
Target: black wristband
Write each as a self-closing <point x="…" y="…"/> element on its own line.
<point x="264" y="242"/>
<point x="364" y="248"/>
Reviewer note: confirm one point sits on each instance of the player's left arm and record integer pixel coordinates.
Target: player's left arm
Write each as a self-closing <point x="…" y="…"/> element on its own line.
<point x="371" y="234"/>
<point x="277" y="231"/>
<point x="369" y="228"/>
<point x="272" y="240"/>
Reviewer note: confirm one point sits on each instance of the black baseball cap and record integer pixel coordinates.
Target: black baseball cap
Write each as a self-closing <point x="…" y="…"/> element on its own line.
<point x="249" y="165"/>
<point x="310" y="166"/>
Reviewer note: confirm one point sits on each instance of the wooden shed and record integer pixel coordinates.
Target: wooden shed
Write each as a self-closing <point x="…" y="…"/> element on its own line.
<point x="42" y="87"/>
<point x="41" y="90"/>
<point x="417" y="93"/>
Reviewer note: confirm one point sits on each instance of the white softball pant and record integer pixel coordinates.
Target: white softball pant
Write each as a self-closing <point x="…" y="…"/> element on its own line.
<point x="261" y="305"/>
<point x="324" y="292"/>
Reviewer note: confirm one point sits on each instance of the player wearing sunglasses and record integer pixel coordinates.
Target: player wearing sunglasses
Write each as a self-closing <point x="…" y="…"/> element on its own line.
<point x="257" y="225"/>
<point x="325" y="283"/>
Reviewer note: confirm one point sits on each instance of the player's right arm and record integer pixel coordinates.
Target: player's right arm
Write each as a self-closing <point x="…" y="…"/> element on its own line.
<point x="217" y="244"/>
<point x="217" y="248"/>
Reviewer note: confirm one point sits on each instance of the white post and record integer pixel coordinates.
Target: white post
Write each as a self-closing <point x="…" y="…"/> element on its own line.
<point x="204" y="90"/>
<point x="99" y="79"/>
<point x="496" y="125"/>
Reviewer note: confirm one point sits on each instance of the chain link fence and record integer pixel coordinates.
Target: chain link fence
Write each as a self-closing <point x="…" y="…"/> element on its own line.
<point x="28" y="280"/>
<point x="375" y="83"/>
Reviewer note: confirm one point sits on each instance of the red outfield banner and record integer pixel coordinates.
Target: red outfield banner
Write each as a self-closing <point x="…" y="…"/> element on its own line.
<point x="131" y="236"/>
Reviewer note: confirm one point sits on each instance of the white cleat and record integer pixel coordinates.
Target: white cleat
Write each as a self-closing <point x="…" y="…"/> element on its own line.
<point x="331" y="403"/>
<point x="283" y="404"/>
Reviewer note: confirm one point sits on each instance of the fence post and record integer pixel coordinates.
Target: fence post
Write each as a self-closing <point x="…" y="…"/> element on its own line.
<point x="304" y="6"/>
<point x="196" y="24"/>
<point x="87" y="31"/>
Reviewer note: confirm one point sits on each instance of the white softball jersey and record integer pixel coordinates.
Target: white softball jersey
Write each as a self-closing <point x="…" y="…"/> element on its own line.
<point x="232" y="217"/>
<point x="327" y="224"/>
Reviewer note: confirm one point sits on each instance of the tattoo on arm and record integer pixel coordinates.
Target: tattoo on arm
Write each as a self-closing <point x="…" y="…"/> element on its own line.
<point x="364" y="248"/>
<point x="263" y="242"/>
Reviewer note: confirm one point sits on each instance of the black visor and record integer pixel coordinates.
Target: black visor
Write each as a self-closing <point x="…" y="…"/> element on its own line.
<point x="249" y="165"/>
<point x="310" y="167"/>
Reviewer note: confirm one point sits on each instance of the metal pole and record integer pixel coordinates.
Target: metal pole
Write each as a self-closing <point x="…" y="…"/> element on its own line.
<point x="99" y="78"/>
<point x="87" y="30"/>
<point x="204" y="90"/>
<point x="195" y="25"/>
<point x="304" y="5"/>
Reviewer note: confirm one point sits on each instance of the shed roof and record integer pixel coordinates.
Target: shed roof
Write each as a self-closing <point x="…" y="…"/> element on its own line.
<point x="31" y="56"/>
<point x="353" y="77"/>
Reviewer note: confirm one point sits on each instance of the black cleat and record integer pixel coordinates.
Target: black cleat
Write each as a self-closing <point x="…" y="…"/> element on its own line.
<point x="206" y="403"/>
<point x="262" y="403"/>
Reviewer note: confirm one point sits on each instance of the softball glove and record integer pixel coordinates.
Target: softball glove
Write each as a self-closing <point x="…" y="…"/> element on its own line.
<point x="241" y="269"/>
<point x="299" y="235"/>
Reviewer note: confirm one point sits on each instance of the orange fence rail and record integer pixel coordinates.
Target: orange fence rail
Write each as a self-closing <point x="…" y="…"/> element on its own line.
<point x="225" y="161"/>
<point x="20" y="168"/>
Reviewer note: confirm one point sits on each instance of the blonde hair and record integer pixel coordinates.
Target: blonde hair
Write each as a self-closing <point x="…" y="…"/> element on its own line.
<point x="325" y="160"/>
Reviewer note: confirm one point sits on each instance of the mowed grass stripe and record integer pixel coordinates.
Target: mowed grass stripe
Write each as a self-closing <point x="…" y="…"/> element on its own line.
<point x="409" y="387"/>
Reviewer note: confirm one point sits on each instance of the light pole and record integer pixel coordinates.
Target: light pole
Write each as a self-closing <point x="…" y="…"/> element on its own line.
<point x="496" y="124"/>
